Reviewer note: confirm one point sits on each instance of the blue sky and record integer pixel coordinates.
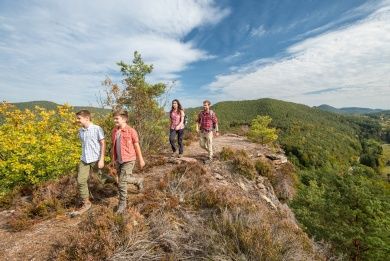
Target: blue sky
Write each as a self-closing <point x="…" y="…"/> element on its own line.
<point x="306" y="51"/>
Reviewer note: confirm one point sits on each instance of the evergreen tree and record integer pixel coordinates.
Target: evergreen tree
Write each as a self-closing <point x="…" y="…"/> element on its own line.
<point x="140" y="99"/>
<point x="260" y="132"/>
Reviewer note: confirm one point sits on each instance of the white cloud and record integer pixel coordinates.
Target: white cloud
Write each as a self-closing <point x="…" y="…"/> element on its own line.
<point x="345" y="67"/>
<point x="258" y="32"/>
<point x="62" y="50"/>
<point x="232" y="57"/>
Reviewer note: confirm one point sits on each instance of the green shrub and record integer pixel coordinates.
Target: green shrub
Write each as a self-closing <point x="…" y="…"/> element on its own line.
<point x="36" y="146"/>
<point x="260" y="131"/>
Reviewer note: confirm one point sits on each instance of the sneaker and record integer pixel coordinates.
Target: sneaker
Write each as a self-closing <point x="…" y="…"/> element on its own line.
<point x="84" y="208"/>
<point x="180" y="156"/>
<point x="121" y="207"/>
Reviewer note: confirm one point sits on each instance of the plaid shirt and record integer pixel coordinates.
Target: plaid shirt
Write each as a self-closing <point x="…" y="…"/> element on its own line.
<point x="90" y="141"/>
<point x="128" y="137"/>
<point x="207" y="121"/>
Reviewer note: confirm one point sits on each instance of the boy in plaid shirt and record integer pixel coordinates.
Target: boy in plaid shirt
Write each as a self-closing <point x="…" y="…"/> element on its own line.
<point x="207" y="123"/>
<point x="92" y="157"/>
<point x="125" y="152"/>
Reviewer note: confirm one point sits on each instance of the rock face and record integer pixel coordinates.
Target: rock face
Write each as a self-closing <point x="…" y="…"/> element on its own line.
<point x="277" y="158"/>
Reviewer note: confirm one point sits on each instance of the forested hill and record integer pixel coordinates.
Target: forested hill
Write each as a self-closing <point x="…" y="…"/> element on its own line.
<point x="52" y="106"/>
<point x="310" y="136"/>
<point x="348" y="110"/>
<point x="338" y="161"/>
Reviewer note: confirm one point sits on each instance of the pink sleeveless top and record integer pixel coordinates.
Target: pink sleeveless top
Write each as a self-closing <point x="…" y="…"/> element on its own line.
<point x="175" y="119"/>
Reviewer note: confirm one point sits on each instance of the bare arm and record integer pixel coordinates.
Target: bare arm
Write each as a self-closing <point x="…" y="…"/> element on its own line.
<point x="102" y="152"/>
<point x="181" y="123"/>
<point x="215" y="121"/>
<point x="139" y="155"/>
<point x="182" y="117"/>
<point x="112" y="154"/>
<point x="197" y="124"/>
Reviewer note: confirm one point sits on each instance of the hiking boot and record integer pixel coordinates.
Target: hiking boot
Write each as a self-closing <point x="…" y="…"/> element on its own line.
<point x="138" y="182"/>
<point x="121" y="207"/>
<point x="208" y="161"/>
<point x="110" y="180"/>
<point x="174" y="155"/>
<point x="84" y="208"/>
<point x="180" y="156"/>
<point x="140" y="185"/>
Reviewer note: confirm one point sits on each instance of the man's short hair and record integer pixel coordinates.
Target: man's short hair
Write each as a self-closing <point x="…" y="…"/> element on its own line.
<point x="84" y="113"/>
<point x="122" y="113"/>
<point x="207" y="101"/>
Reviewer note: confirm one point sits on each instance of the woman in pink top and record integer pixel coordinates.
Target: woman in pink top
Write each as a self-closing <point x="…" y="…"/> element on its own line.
<point x="177" y="127"/>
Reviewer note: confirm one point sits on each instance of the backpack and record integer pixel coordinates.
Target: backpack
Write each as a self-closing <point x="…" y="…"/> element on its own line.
<point x="185" y="122"/>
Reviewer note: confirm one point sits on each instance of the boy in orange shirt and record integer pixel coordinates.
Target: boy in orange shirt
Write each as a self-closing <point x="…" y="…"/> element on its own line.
<point x="125" y="151"/>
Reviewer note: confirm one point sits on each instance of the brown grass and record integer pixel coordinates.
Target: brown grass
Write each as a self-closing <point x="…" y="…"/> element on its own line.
<point x="241" y="162"/>
<point x="264" y="168"/>
<point x="258" y="235"/>
<point x="98" y="236"/>
<point x="189" y="137"/>
<point x="185" y="214"/>
<point x="226" y="153"/>
<point x="244" y="166"/>
<point x="283" y="179"/>
<point x="51" y="199"/>
<point x="45" y="201"/>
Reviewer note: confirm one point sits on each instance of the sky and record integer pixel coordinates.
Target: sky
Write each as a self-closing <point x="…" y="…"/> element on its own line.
<point x="305" y="51"/>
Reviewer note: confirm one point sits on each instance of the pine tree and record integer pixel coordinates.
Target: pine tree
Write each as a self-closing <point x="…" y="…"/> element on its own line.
<point x="260" y="132"/>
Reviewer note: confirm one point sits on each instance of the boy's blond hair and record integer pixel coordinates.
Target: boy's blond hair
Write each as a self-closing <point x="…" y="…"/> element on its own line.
<point x="207" y="101"/>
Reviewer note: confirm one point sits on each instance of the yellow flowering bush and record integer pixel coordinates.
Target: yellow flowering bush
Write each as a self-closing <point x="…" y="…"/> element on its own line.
<point x="36" y="145"/>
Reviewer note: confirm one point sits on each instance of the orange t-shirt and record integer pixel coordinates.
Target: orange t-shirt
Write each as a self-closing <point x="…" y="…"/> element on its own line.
<point x="128" y="137"/>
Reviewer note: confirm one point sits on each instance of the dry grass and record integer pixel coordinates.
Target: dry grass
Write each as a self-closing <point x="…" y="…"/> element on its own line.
<point x="283" y="179"/>
<point x="98" y="236"/>
<point x="184" y="214"/>
<point x="189" y="137"/>
<point x="43" y="202"/>
<point x="151" y="162"/>
<point x="264" y="168"/>
<point x="241" y="162"/>
<point x="52" y="198"/>
<point x="257" y="234"/>
<point x="244" y="166"/>
<point x="226" y="153"/>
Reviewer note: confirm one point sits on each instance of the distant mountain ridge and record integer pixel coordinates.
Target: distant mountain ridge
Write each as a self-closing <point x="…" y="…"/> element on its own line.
<point x="52" y="106"/>
<point x="348" y="110"/>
